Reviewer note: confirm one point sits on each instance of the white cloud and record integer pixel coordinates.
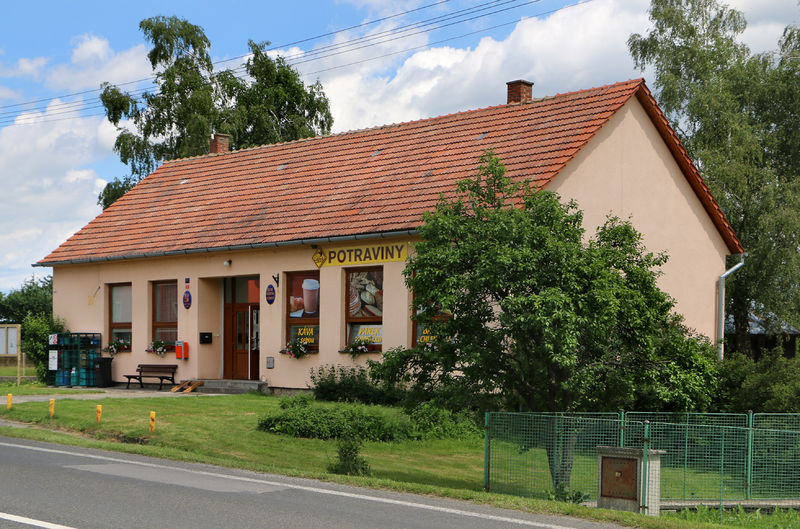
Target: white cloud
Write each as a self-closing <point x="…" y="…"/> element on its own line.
<point x="766" y="21"/>
<point x="574" y="48"/>
<point x="49" y="192"/>
<point x="93" y="62"/>
<point x="25" y="67"/>
<point x="8" y="93"/>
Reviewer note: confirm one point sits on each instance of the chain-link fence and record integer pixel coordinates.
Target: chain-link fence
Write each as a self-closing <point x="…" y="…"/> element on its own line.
<point x="708" y="457"/>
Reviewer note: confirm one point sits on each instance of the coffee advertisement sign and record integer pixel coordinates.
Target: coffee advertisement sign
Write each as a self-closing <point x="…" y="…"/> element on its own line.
<point x="304" y="296"/>
<point x="307" y="334"/>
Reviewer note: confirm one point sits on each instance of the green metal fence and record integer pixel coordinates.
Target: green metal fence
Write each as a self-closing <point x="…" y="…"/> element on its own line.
<point x="709" y="457"/>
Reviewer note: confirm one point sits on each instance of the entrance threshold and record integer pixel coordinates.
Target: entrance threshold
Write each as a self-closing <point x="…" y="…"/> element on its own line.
<point x="232" y="387"/>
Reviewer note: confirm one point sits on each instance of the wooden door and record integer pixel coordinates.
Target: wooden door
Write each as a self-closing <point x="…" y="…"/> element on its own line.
<point x="242" y="333"/>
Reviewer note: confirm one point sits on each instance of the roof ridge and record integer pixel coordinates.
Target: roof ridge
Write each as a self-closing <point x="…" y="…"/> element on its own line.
<point x="637" y="81"/>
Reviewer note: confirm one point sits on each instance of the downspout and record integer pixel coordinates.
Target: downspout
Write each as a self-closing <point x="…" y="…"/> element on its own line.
<point x="721" y="307"/>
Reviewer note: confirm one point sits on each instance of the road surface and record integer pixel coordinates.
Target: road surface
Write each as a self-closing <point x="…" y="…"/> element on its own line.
<point x="56" y="487"/>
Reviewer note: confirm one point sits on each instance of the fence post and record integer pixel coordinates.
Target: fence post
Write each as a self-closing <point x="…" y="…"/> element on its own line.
<point x="749" y="456"/>
<point x="622" y="429"/>
<point x="685" y="452"/>
<point x="721" y="470"/>
<point x="645" y="450"/>
<point x="486" y="452"/>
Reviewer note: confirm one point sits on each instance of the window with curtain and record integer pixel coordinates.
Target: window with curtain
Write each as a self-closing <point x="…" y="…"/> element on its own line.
<point x="119" y="313"/>
<point x="165" y="311"/>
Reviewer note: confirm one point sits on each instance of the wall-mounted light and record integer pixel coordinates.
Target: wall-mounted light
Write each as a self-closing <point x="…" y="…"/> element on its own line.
<point x="227" y="263"/>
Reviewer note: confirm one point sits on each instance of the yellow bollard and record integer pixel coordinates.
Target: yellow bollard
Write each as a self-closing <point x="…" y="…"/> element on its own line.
<point x="52" y="407"/>
<point x="152" y="421"/>
<point x="99" y="413"/>
<point x="10" y="398"/>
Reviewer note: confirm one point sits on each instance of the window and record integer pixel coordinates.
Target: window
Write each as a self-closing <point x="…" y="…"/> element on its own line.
<point x="302" y="308"/>
<point x="364" y="306"/>
<point x="119" y="312"/>
<point x="165" y="311"/>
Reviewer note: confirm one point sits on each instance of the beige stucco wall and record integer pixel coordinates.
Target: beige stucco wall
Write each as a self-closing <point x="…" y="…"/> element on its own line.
<point x="628" y="171"/>
<point x="80" y="297"/>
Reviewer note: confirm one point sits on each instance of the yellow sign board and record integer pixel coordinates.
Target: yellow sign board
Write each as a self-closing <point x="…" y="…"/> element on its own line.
<point x="362" y="254"/>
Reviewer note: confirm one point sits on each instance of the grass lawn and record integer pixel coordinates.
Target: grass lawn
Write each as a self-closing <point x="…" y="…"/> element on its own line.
<point x="222" y="430"/>
<point x="11" y="371"/>
<point x="35" y="388"/>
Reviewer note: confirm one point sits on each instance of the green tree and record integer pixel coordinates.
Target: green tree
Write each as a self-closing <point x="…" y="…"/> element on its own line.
<point x="35" y="296"/>
<point x="525" y="309"/>
<point x="737" y="115"/>
<point x="536" y="314"/>
<point x="192" y="100"/>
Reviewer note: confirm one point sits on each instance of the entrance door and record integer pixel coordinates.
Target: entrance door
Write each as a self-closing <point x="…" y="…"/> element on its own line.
<point x="242" y="341"/>
<point x="242" y="327"/>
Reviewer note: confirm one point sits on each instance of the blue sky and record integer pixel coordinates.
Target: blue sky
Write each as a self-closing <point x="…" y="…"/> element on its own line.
<point x="54" y="159"/>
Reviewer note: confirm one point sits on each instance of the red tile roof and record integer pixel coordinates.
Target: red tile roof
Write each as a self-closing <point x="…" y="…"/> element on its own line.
<point x="358" y="183"/>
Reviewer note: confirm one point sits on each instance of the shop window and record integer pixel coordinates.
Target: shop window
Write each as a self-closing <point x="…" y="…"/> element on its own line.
<point x="302" y="308"/>
<point x="119" y="313"/>
<point x="165" y="311"/>
<point x="364" y="306"/>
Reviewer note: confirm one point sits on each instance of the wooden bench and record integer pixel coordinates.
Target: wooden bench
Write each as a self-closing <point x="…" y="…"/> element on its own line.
<point x="160" y="371"/>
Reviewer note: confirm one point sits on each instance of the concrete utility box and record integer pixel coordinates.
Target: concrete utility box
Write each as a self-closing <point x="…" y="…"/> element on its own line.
<point x="621" y="473"/>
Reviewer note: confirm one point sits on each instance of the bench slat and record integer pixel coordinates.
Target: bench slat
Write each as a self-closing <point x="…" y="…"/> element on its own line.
<point x="160" y="371"/>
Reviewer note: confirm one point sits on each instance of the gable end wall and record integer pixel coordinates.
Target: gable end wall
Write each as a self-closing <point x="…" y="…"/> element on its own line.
<point x="628" y="171"/>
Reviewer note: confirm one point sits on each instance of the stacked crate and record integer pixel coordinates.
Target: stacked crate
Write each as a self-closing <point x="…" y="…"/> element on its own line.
<point x="77" y="353"/>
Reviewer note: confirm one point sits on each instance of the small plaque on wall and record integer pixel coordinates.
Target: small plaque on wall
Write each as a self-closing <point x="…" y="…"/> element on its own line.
<point x="270" y="362"/>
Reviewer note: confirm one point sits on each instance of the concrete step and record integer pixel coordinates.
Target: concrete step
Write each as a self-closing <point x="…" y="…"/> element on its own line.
<point x="232" y="387"/>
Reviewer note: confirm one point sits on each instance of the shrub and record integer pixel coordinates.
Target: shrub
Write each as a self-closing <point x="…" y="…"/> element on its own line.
<point x="393" y="376"/>
<point x="347" y="384"/>
<point x="36" y="330"/>
<point x="437" y="423"/>
<point x="339" y="421"/>
<point x="303" y="400"/>
<point x="348" y="460"/>
<point x="770" y="385"/>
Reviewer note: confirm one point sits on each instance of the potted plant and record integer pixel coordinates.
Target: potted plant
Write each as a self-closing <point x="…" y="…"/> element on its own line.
<point x="297" y="349"/>
<point x="157" y="347"/>
<point x="357" y="347"/>
<point x="117" y="346"/>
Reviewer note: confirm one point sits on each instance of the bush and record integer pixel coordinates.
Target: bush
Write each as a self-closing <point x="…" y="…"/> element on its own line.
<point x="301" y="417"/>
<point x="393" y="376"/>
<point x="348" y="461"/>
<point x="36" y="329"/>
<point x="437" y="423"/>
<point x="303" y="400"/>
<point x="348" y="384"/>
<point x="770" y="385"/>
<point x="339" y="421"/>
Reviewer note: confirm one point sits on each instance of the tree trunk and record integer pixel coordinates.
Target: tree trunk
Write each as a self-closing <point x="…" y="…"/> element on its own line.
<point x="741" y="317"/>
<point x="561" y="440"/>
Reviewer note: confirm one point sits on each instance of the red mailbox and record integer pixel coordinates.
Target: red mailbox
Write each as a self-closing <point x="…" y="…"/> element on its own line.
<point x="182" y="350"/>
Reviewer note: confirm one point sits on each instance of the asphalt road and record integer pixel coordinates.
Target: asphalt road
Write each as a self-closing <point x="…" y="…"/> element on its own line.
<point x="56" y="487"/>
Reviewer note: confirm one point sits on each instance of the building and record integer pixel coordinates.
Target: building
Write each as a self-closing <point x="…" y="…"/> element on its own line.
<point x="237" y="252"/>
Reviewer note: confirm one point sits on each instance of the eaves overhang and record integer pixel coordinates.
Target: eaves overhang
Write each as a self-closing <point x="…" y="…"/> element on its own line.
<point x="235" y="247"/>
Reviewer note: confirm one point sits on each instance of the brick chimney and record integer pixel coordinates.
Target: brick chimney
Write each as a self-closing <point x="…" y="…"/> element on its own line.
<point x="219" y="143"/>
<point x="520" y="91"/>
